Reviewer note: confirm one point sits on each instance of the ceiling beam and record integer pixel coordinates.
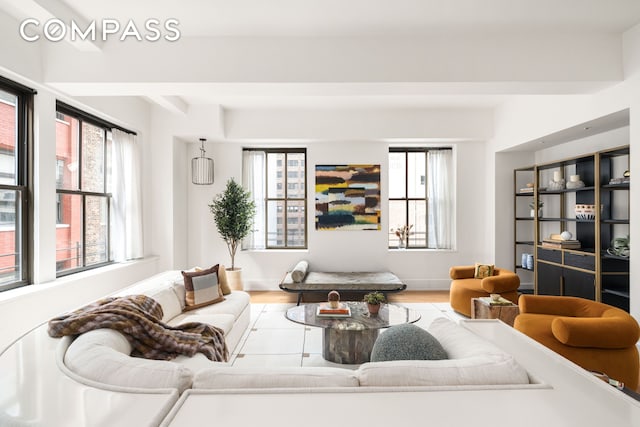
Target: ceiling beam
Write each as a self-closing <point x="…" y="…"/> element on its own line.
<point x="173" y="104"/>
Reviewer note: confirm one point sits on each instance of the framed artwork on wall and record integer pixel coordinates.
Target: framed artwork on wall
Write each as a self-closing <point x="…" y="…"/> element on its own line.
<point x="348" y="197"/>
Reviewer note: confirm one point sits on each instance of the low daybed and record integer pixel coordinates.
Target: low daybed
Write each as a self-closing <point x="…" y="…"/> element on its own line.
<point x="323" y="282"/>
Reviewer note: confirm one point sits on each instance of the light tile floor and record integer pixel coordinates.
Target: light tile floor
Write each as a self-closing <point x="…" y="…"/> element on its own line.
<point x="272" y="340"/>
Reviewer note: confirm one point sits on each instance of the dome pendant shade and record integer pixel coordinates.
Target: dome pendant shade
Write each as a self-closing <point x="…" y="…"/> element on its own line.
<point x="202" y="168"/>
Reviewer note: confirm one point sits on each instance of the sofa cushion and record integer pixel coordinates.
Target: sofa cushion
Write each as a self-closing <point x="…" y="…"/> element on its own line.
<point x="472" y="361"/>
<point x="406" y="342"/>
<point x="299" y="271"/>
<point x="102" y="355"/>
<point x="198" y="362"/>
<point x="202" y="288"/>
<point x="459" y="342"/>
<point x="478" y="370"/>
<point x="483" y="270"/>
<point x="222" y="278"/>
<point x="242" y="378"/>
<point x="167" y="298"/>
<point x="234" y="304"/>
<point x="178" y="288"/>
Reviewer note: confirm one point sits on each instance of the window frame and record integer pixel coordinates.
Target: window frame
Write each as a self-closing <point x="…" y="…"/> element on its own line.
<point x="105" y="126"/>
<point x="286" y="199"/>
<point x="23" y="181"/>
<point x="407" y="200"/>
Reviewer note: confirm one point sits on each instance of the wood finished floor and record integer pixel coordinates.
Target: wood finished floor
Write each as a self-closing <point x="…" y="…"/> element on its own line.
<point x="263" y="297"/>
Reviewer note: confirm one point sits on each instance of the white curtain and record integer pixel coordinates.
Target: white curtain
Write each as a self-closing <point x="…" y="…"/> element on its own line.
<point x="253" y="180"/>
<point x="440" y="193"/>
<point x="126" y="206"/>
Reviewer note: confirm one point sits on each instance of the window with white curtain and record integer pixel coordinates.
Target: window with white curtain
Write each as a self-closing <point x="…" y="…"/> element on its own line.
<point x="276" y="179"/>
<point x="421" y="198"/>
<point x="98" y="192"/>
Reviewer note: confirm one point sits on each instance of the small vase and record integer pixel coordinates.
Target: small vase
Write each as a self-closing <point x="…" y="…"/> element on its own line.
<point x="373" y="309"/>
<point x="402" y="244"/>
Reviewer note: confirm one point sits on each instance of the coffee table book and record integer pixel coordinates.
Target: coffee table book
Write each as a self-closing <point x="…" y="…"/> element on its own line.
<point x="501" y="301"/>
<point x="324" y="310"/>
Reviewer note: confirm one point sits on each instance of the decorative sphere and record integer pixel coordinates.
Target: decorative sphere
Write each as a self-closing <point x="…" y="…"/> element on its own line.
<point x="566" y="235"/>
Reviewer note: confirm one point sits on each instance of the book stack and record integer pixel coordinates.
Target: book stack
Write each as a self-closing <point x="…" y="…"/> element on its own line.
<point x="325" y="310"/>
<point x="499" y="301"/>
<point x="561" y="244"/>
<point x="526" y="190"/>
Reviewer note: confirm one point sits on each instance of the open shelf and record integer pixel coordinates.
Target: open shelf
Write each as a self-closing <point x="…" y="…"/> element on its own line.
<point x="588" y="272"/>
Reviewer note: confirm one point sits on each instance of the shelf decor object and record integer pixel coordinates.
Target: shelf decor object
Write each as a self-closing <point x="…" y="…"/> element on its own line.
<point x="585" y="211"/>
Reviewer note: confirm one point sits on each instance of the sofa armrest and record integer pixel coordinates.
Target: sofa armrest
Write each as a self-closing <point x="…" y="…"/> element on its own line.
<point x="505" y="282"/>
<point x="599" y="332"/>
<point x="559" y="306"/>
<point x="462" y="272"/>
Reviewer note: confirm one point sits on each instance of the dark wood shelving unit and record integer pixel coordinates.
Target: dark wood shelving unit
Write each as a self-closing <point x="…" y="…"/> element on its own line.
<point x="589" y="271"/>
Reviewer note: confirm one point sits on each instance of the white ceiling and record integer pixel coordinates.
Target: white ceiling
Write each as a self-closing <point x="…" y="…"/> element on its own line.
<point x="338" y="18"/>
<point x="335" y="20"/>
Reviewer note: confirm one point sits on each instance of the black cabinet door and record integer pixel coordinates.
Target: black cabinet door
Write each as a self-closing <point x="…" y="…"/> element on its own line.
<point x="549" y="278"/>
<point x="579" y="284"/>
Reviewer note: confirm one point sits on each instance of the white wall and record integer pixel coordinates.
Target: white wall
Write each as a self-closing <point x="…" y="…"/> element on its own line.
<point x="344" y="250"/>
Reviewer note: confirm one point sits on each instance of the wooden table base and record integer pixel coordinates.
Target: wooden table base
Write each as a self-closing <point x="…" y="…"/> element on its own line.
<point x="480" y="309"/>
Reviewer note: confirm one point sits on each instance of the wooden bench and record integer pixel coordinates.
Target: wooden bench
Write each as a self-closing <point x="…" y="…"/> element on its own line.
<point x="316" y="281"/>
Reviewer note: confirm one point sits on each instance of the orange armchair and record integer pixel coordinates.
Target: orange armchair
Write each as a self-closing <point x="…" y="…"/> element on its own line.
<point x="464" y="287"/>
<point x="593" y="335"/>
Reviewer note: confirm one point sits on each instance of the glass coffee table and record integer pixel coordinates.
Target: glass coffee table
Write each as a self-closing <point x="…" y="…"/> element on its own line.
<point x="349" y="340"/>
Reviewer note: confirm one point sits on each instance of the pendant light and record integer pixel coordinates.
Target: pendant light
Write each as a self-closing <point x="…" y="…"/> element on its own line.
<point x="202" y="167"/>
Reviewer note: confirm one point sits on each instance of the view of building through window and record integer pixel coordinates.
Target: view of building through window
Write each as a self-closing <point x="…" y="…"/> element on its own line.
<point x="276" y="179"/>
<point x="82" y="231"/>
<point x="420" y="198"/>
<point x="10" y="252"/>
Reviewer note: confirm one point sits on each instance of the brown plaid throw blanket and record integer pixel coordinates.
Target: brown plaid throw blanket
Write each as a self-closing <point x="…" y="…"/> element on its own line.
<point x="138" y="318"/>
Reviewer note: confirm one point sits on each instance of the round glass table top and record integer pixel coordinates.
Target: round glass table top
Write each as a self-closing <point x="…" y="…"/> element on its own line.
<point x="360" y="319"/>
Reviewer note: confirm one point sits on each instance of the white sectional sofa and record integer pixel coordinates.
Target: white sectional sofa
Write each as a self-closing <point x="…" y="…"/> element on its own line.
<point x="93" y="380"/>
<point x="103" y="356"/>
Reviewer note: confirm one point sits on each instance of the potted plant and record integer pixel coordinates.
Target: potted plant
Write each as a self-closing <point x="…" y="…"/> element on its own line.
<point x="233" y="211"/>
<point x="373" y="300"/>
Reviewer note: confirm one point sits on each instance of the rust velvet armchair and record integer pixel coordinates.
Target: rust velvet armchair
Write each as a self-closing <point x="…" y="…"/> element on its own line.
<point x="464" y="286"/>
<point x="593" y="335"/>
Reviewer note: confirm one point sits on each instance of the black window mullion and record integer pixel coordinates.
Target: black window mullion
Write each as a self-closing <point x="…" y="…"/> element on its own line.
<point x="80" y="136"/>
<point x="84" y="230"/>
<point x="104" y="157"/>
<point x="286" y="200"/>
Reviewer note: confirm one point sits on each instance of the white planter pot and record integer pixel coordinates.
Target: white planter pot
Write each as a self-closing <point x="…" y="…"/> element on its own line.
<point x="234" y="278"/>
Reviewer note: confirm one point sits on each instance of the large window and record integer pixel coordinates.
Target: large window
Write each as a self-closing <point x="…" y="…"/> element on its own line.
<point x="15" y="132"/>
<point x="421" y="197"/>
<point x="276" y="179"/>
<point x="83" y="193"/>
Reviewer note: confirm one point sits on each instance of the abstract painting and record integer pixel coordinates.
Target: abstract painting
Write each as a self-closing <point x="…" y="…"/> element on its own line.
<point x="348" y="197"/>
